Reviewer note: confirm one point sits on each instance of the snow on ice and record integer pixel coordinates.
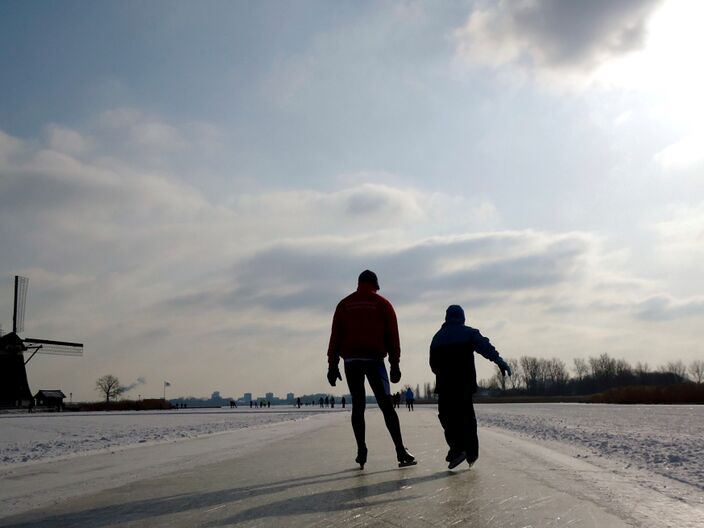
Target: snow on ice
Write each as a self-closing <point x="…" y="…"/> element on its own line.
<point x="662" y="439"/>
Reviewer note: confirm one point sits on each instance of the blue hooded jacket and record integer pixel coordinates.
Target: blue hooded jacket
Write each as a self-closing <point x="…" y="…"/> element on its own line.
<point x="452" y="353"/>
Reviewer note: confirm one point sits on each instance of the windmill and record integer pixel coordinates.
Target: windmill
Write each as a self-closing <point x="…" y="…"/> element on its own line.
<point x="14" y="388"/>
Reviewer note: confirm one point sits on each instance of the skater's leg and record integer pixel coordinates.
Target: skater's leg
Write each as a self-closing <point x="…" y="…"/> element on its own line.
<point x="447" y="413"/>
<point x="379" y="382"/>
<point x="354" y="372"/>
<point x="471" y="438"/>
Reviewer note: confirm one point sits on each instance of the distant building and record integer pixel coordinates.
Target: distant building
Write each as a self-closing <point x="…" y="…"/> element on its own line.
<point x="269" y="396"/>
<point x="289" y="397"/>
<point x="50" y="398"/>
<point x="247" y="397"/>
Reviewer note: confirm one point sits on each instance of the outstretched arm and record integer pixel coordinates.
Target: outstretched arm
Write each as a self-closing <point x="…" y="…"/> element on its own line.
<point x="484" y="347"/>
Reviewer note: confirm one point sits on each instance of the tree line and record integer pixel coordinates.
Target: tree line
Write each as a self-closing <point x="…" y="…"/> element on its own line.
<point x="541" y="376"/>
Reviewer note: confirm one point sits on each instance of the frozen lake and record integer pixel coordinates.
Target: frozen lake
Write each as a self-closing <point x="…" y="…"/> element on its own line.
<point x="585" y="466"/>
<point x="666" y="439"/>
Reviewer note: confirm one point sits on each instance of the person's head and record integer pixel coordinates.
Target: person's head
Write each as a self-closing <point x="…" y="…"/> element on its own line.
<point x="369" y="278"/>
<point x="454" y="314"/>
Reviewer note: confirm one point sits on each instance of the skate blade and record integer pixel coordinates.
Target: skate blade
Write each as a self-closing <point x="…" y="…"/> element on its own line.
<point x="457" y="461"/>
<point x="406" y="464"/>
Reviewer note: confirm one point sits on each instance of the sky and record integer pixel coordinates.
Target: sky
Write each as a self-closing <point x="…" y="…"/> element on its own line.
<point x="192" y="187"/>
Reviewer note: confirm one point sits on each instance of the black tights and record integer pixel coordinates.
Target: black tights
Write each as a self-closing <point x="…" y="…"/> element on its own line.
<point x="375" y="372"/>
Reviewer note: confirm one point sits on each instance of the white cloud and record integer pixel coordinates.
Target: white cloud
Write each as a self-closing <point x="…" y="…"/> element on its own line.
<point x="65" y="140"/>
<point x="686" y="153"/>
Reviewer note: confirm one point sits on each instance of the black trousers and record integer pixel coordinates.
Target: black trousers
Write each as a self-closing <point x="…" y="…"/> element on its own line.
<point x="456" y="413"/>
<point x="375" y="373"/>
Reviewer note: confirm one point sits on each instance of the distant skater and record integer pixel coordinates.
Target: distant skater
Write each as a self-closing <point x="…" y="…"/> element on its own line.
<point x="410" y="398"/>
<point x="298" y="402"/>
<point x="322" y="402"/>
<point x="364" y="332"/>
<point x="452" y="362"/>
<point x="343" y="401"/>
<point x="332" y="402"/>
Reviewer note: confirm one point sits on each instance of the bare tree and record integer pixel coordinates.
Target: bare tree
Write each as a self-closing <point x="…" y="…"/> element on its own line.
<point x="675" y="367"/>
<point x="557" y="374"/>
<point x="603" y="367"/>
<point x="531" y="371"/>
<point x="642" y="368"/>
<point x="516" y="378"/>
<point x="581" y="369"/>
<point x="110" y="386"/>
<point x="499" y="379"/>
<point x="696" y="370"/>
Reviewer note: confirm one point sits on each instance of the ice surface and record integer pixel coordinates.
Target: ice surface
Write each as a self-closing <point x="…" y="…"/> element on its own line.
<point x="301" y="473"/>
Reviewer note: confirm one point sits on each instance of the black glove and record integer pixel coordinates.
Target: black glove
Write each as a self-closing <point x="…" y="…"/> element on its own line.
<point x="334" y="375"/>
<point x="503" y="367"/>
<point x="395" y="374"/>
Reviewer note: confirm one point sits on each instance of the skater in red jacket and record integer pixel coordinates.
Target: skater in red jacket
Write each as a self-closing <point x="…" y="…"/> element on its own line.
<point x="364" y="332"/>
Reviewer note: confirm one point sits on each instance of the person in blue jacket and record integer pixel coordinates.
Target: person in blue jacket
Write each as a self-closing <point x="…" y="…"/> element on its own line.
<point x="452" y="361"/>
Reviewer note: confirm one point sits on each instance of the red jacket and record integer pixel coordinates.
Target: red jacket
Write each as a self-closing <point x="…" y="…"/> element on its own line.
<point x="364" y="326"/>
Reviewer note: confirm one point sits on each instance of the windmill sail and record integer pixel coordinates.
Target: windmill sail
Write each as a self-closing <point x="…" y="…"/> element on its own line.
<point x="21" y="284"/>
<point x="57" y="348"/>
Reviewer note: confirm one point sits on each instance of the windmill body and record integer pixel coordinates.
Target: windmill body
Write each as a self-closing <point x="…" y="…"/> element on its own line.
<point x="14" y="386"/>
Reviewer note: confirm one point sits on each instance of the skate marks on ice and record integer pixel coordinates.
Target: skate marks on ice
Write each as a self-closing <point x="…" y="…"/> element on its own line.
<point x="348" y="497"/>
<point x="654" y="502"/>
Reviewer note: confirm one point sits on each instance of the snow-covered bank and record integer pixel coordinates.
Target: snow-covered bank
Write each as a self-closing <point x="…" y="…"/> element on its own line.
<point x="38" y="437"/>
<point x="664" y="439"/>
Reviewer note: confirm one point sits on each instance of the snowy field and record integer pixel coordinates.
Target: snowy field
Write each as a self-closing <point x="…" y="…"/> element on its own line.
<point x="664" y="439"/>
<point x="37" y="437"/>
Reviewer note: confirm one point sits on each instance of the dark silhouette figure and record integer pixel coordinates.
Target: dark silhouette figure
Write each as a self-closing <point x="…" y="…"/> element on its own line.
<point x="327" y="401"/>
<point x="298" y="402"/>
<point x="410" y="398"/>
<point x="322" y="402"/>
<point x="364" y="332"/>
<point x="232" y="404"/>
<point x="250" y="404"/>
<point x="332" y="402"/>
<point x="343" y="402"/>
<point x="452" y="362"/>
<point x="268" y="404"/>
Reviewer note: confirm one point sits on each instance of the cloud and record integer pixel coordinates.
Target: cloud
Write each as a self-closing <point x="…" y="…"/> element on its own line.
<point x="681" y="233"/>
<point x="309" y="275"/>
<point x="553" y="36"/>
<point x="666" y="308"/>
<point x="686" y="153"/>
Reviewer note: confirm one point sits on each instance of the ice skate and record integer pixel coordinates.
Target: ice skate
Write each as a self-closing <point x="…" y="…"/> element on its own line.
<point x="405" y="458"/>
<point x="457" y="460"/>
<point x="361" y="457"/>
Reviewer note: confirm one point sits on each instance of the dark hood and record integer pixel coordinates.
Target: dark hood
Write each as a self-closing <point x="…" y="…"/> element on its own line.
<point x="454" y="314"/>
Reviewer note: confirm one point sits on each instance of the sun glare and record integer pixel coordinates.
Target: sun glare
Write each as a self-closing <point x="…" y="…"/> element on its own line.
<point x="668" y="69"/>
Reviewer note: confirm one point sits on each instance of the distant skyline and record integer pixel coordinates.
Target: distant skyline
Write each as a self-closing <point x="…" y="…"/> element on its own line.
<point x="191" y="188"/>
